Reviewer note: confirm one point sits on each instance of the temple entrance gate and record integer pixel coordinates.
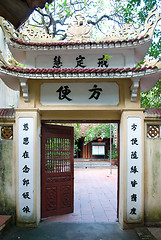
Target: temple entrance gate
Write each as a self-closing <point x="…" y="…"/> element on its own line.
<point x="57" y="170"/>
<point x="79" y="79"/>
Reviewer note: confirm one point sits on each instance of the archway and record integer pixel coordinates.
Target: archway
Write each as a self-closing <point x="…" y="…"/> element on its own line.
<point x="96" y="189"/>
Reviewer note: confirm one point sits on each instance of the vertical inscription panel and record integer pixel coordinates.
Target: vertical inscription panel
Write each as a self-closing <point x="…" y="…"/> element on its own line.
<point x="134" y="170"/>
<point x="25" y="169"/>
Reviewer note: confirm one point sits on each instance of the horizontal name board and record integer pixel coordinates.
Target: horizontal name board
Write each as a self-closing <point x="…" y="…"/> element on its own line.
<point x="80" y="60"/>
<point x="103" y="93"/>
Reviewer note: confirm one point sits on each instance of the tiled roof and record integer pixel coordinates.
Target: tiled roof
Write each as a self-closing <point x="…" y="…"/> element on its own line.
<point x="7" y="112"/>
<point x="61" y="44"/>
<point x="153" y="111"/>
<point x="54" y="73"/>
<point x="76" y="70"/>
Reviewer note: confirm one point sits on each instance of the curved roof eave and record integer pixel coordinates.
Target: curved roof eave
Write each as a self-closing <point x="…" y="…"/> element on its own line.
<point x="20" y="45"/>
<point x="76" y="73"/>
<point x="140" y="47"/>
<point x="148" y="82"/>
<point x="11" y="81"/>
<point x="141" y="51"/>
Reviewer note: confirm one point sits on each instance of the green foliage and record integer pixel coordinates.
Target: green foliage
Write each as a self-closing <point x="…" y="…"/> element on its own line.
<point x="113" y="153"/>
<point x="152" y="98"/>
<point x="133" y="11"/>
<point x="98" y="131"/>
<point x="107" y="57"/>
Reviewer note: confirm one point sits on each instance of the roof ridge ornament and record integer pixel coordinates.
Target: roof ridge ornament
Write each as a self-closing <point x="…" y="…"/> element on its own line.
<point x="151" y="21"/>
<point x="79" y="30"/>
<point x="150" y="62"/>
<point x="129" y="31"/>
<point x="9" y="62"/>
<point x="9" y="30"/>
<point x="35" y="34"/>
<point x="28" y="33"/>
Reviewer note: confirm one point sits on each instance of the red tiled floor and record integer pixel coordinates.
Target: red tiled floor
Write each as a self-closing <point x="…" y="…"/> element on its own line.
<point x="95" y="196"/>
<point x="4" y="219"/>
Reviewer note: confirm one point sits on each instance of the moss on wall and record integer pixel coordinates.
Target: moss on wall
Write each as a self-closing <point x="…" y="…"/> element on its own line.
<point x="7" y="186"/>
<point x="153" y="181"/>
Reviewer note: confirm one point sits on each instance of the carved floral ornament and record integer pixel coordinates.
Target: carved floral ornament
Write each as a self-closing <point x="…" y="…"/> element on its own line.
<point x="80" y="31"/>
<point x="10" y="63"/>
<point x="128" y="31"/>
<point x="151" y="62"/>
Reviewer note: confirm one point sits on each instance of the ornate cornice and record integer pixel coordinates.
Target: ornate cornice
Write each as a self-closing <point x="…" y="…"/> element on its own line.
<point x="63" y="45"/>
<point x="57" y="73"/>
<point x="135" y="74"/>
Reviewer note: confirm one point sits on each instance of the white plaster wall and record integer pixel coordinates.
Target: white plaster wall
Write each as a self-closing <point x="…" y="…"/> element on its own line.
<point x="8" y="97"/>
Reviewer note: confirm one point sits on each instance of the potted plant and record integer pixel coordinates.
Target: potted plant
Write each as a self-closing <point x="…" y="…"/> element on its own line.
<point x="114" y="154"/>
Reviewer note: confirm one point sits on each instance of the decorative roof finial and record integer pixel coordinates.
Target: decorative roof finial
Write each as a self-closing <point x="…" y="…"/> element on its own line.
<point x="79" y="30"/>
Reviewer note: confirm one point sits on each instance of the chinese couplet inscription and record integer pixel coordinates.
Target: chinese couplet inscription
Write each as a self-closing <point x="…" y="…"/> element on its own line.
<point x="25" y="163"/>
<point x="134" y="169"/>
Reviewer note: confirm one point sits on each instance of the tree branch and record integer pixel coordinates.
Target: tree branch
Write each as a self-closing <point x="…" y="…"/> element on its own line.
<point x="40" y="12"/>
<point x="100" y="19"/>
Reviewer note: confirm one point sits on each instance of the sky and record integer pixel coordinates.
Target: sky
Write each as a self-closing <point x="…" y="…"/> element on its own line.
<point x="107" y="25"/>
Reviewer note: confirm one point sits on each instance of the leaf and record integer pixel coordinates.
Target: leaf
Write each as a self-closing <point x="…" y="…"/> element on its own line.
<point x="65" y="3"/>
<point x="47" y="6"/>
<point x="106" y="57"/>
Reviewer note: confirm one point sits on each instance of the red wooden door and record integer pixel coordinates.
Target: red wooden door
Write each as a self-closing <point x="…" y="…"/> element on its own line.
<point x="57" y="170"/>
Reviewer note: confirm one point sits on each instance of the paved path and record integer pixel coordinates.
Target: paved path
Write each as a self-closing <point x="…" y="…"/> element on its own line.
<point x="94" y="215"/>
<point x="95" y="198"/>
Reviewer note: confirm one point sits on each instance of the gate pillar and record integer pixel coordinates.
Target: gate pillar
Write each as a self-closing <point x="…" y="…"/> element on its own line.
<point x="131" y="189"/>
<point x="28" y="167"/>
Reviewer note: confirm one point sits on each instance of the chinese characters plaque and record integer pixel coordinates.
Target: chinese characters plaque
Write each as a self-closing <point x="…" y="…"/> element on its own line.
<point x="99" y="93"/>
<point x="134" y="169"/>
<point x="25" y="165"/>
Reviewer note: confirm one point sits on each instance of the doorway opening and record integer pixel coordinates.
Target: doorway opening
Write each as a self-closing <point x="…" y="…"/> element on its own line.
<point x="96" y="190"/>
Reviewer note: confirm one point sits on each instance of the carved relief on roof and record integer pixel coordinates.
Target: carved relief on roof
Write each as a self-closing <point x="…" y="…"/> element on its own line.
<point x="29" y="33"/>
<point x="9" y="30"/>
<point x="79" y="30"/>
<point x="10" y="63"/>
<point x="130" y="32"/>
<point x="150" y="61"/>
<point x="151" y="21"/>
<point x="35" y="35"/>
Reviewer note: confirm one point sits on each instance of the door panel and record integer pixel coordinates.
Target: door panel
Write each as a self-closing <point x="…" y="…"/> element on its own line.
<point x="57" y="170"/>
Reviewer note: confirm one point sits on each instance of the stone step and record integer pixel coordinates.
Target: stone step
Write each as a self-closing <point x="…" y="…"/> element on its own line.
<point x="5" y="223"/>
<point x="91" y="164"/>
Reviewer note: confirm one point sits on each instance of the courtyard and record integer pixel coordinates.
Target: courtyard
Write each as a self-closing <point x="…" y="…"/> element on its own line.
<point x="95" y="196"/>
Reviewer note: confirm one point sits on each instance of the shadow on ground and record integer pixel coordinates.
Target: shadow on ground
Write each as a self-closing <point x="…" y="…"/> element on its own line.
<point x="71" y="231"/>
